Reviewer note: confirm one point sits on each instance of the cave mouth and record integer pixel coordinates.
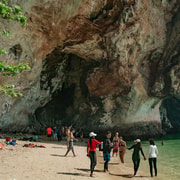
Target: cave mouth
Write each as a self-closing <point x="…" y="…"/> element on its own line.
<point x="170" y="114"/>
<point x="64" y="76"/>
<point x="54" y="112"/>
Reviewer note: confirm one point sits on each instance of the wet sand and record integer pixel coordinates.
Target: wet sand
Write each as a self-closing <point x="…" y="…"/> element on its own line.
<point x="24" y="163"/>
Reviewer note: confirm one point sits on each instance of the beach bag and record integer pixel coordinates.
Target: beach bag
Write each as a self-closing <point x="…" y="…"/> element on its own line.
<point x="8" y="139"/>
<point x="13" y="142"/>
<point x="100" y="147"/>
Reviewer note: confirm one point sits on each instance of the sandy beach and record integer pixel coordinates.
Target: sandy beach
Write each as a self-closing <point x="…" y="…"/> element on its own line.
<point x="25" y="163"/>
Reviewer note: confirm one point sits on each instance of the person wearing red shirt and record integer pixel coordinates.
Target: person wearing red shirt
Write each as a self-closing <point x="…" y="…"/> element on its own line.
<point x="49" y="132"/>
<point x="91" y="151"/>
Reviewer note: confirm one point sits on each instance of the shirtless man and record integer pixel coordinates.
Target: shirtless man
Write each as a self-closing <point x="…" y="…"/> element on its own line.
<point x="71" y="139"/>
<point x="68" y="132"/>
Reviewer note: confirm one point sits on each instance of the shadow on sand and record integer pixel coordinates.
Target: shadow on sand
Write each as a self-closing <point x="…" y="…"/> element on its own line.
<point x="126" y="175"/>
<point x="122" y="175"/>
<point x="112" y="163"/>
<point x="60" y="147"/>
<point x="74" y="174"/>
<point x="58" y="155"/>
<point x="87" y="170"/>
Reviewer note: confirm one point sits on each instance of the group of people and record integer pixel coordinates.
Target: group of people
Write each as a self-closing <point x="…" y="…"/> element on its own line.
<point x="119" y="144"/>
<point x="56" y="133"/>
<point x="63" y="132"/>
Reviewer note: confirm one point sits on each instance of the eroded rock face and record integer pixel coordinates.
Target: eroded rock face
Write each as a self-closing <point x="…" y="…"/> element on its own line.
<point x="97" y="65"/>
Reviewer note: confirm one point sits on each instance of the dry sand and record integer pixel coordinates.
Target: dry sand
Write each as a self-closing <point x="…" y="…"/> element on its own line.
<point x="24" y="163"/>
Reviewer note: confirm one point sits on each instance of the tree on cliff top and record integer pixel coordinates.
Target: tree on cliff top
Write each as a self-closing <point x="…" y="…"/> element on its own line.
<point x="11" y="13"/>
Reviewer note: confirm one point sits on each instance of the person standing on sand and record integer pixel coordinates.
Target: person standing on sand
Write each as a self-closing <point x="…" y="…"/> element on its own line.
<point x="68" y="132"/>
<point x="49" y="132"/>
<point x="122" y="149"/>
<point x="81" y="134"/>
<point x="153" y="152"/>
<point x="59" y="134"/>
<point x="107" y="146"/>
<point x="71" y="139"/>
<point x="115" y="144"/>
<point x="91" y="151"/>
<point x="136" y="156"/>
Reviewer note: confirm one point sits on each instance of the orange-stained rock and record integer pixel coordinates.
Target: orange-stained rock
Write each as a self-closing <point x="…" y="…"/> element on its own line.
<point x="95" y="64"/>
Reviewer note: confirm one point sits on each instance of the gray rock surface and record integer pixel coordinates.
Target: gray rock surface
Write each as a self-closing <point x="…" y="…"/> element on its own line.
<point x="97" y="65"/>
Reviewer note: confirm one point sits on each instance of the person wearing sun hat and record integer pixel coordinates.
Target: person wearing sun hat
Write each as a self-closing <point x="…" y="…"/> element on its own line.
<point x="136" y="156"/>
<point x="91" y="151"/>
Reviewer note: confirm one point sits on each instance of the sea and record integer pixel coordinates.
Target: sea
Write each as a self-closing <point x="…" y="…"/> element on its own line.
<point x="168" y="161"/>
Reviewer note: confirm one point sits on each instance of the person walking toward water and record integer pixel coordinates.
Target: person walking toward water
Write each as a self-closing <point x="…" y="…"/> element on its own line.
<point x="115" y="144"/>
<point x="91" y="151"/>
<point x="107" y="146"/>
<point x="72" y="138"/>
<point x="136" y="156"/>
<point x="153" y="152"/>
<point x="122" y="149"/>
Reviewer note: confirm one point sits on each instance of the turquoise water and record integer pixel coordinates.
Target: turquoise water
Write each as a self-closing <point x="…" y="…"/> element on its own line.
<point x="168" y="160"/>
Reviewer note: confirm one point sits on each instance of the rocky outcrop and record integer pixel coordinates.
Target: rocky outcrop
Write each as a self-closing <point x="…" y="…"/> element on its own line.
<point x="97" y="65"/>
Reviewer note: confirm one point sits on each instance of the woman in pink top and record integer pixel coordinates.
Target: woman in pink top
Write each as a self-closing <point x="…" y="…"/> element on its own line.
<point x="91" y="151"/>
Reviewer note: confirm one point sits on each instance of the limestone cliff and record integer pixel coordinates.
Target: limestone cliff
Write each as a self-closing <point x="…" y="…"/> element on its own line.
<point x="106" y="64"/>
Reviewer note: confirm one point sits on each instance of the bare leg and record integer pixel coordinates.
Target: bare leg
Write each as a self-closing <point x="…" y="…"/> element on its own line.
<point x="121" y="155"/>
<point x="67" y="152"/>
<point x="73" y="153"/>
<point x="67" y="144"/>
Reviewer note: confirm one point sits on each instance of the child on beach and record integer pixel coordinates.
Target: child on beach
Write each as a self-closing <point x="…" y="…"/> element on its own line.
<point x="71" y="139"/>
<point x="107" y="146"/>
<point x="135" y="156"/>
<point x="91" y="151"/>
<point x="153" y="152"/>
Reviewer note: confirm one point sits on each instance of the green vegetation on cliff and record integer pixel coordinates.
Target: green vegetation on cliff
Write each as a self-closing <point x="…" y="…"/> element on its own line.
<point x="12" y="13"/>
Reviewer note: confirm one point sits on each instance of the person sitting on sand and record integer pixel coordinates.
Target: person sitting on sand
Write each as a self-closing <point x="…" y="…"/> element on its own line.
<point x="91" y="151"/>
<point x="135" y="156"/>
<point x="71" y="139"/>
